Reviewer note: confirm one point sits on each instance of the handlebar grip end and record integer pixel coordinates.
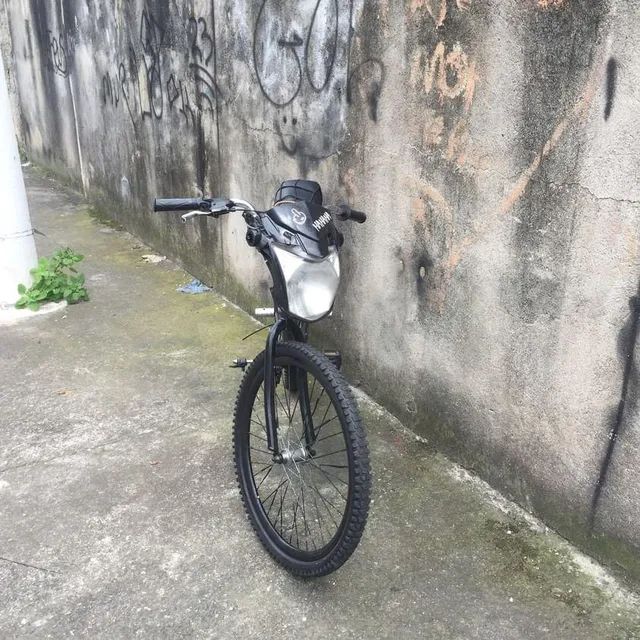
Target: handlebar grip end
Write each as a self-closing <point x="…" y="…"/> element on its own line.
<point x="345" y="212"/>
<point x="358" y="216"/>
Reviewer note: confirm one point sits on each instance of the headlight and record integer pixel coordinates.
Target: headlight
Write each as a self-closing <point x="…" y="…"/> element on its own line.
<point x="311" y="284"/>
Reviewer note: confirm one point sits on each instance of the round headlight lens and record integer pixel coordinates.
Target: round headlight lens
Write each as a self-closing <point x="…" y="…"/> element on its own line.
<point x="311" y="284"/>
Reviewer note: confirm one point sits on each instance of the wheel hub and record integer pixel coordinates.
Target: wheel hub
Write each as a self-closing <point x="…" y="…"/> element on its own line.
<point x="299" y="454"/>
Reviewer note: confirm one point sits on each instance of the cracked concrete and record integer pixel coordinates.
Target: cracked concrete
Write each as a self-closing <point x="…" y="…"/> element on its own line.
<point x="590" y="192"/>
<point x="120" y="516"/>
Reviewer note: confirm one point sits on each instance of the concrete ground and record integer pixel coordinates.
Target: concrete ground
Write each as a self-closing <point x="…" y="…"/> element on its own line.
<point x="120" y="516"/>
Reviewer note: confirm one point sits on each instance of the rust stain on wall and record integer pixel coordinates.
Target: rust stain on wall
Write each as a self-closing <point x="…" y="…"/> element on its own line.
<point x="576" y="115"/>
<point x="433" y="203"/>
<point x="437" y="9"/>
<point x="552" y="4"/>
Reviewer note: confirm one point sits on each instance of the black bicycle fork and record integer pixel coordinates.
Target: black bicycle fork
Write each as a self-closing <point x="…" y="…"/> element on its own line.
<point x="296" y="380"/>
<point x="270" y="413"/>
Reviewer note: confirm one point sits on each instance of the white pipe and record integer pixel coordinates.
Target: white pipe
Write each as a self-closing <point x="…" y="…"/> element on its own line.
<point x="17" y="246"/>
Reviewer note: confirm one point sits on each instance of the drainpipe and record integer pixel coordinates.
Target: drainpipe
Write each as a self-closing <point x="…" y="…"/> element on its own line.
<point x="17" y="246"/>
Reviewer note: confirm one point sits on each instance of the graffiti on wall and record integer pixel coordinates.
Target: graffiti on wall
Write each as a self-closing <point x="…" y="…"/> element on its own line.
<point x="306" y="65"/>
<point x="308" y="60"/>
<point x="149" y="73"/>
<point x="281" y="68"/>
<point x="147" y="88"/>
<point x="202" y="50"/>
<point x="56" y="58"/>
<point x="451" y="76"/>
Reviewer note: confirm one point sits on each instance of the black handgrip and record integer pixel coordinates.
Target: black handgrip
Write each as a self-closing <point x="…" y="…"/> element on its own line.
<point x="357" y="216"/>
<point x="181" y="204"/>
<point x="345" y="212"/>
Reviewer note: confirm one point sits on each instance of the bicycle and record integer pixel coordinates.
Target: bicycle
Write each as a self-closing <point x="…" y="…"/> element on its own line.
<point x="300" y="449"/>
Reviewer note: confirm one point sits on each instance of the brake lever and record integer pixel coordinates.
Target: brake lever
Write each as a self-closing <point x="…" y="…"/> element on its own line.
<point x="214" y="213"/>
<point x="193" y="214"/>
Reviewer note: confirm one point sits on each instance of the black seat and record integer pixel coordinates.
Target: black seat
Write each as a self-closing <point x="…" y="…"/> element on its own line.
<point x="306" y="190"/>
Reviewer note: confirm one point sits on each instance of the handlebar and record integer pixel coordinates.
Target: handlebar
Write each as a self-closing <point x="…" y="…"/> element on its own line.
<point x="218" y="206"/>
<point x="181" y="204"/>
<point x="195" y="206"/>
<point x="357" y="216"/>
<point x="345" y="212"/>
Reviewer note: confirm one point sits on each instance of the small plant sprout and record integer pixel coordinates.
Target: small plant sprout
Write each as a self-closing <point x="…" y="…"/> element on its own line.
<point x="54" y="279"/>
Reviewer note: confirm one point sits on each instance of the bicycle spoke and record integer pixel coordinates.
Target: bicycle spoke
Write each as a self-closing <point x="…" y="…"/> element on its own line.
<point x="327" y="473"/>
<point x="295" y="524"/>
<point x="324" y="418"/>
<point x="286" y="396"/>
<point x="333" y="435"/>
<point x="274" y="493"/>
<point x="280" y="401"/>
<point x="263" y="469"/>
<point x="317" y="401"/>
<point x="260" y="450"/>
<point x="324" y="501"/>
<point x="331" y="482"/>
<point x="266" y="475"/>
<point x="293" y="413"/>
<point x="326" y="422"/>
<point x="282" y="498"/>
<point x="315" y="502"/>
<point x="304" y="517"/>
<point x="324" y="455"/>
<point x="313" y="386"/>
<point x="260" y="424"/>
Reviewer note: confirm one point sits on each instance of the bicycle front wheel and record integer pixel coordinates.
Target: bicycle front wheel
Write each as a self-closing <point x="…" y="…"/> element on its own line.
<point x="309" y="507"/>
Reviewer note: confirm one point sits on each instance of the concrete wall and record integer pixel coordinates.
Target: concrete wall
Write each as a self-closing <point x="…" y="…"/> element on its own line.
<point x="490" y="300"/>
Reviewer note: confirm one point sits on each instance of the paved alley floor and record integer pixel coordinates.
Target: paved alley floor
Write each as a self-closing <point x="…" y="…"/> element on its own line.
<point x="119" y="511"/>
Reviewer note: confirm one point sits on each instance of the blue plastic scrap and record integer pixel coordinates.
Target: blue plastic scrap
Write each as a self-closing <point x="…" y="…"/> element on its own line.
<point x="195" y="286"/>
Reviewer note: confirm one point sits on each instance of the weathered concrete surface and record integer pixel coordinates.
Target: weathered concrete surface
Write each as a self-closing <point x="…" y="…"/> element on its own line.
<point x="120" y="515"/>
<point x="494" y="145"/>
